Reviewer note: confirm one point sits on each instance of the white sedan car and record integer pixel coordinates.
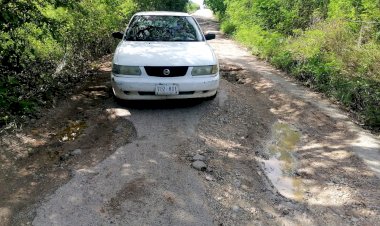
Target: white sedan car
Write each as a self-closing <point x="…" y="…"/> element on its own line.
<point x="164" y="55"/>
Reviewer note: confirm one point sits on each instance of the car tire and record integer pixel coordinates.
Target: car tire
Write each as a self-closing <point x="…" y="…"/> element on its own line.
<point x="117" y="100"/>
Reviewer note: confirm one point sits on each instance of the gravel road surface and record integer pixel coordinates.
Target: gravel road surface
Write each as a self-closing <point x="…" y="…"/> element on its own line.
<point x="266" y="151"/>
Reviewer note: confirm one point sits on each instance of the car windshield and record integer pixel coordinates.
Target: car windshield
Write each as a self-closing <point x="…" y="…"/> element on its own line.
<point x="163" y="28"/>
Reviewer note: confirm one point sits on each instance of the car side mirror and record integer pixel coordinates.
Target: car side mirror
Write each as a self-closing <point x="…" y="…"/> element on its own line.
<point x="210" y="36"/>
<point x="117" y="35"/>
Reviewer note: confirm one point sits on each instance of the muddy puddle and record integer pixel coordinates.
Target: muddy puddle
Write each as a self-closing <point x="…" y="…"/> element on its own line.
<point x="234" y="74"/>
<point x="281" y="165"/>
<point x="72" y="131"/>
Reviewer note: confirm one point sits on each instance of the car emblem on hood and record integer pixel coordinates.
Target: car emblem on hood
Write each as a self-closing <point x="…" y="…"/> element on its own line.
<point x="166" y="72"/>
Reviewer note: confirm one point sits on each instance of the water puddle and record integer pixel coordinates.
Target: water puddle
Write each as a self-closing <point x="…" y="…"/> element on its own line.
<point x="72" y="131"/>
<point x="281" y="165"/>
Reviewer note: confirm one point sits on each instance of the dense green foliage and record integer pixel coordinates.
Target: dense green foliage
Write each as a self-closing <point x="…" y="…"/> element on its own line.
<point x="192" y="7"/>
<point x="167" y="5"/>
<point x="331" y="45"/>
<point x="46" y="45"/>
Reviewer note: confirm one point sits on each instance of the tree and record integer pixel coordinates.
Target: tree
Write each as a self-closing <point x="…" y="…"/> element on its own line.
<point x="165" y="5"/>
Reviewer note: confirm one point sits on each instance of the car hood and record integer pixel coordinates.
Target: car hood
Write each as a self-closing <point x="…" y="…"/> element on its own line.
<point x="164" y="54"/>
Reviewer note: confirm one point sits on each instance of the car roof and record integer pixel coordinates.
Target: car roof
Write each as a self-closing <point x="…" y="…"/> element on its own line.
<point x="162" y="13"/>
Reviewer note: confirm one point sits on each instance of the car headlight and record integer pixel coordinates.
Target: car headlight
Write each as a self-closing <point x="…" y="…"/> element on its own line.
<point x="125" y="70"/>
<point x="205" y="70"/>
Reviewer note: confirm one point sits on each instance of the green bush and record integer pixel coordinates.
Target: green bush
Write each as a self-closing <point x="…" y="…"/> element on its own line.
<point x="166" y="5"/>
<point x="228" y="27"/>
<point x="191" y="7"/>
<point x="260" y="41"/>
<point x="283" y="60"/>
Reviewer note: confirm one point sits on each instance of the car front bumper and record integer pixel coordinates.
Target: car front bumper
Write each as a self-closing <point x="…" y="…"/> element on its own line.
<point x="143" y="87"/>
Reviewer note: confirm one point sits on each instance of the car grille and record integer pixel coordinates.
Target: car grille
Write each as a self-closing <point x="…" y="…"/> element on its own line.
<point x="159" y="71"/>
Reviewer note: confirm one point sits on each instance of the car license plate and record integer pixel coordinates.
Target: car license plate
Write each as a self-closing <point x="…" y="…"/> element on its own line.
<point x="166" y="89"/>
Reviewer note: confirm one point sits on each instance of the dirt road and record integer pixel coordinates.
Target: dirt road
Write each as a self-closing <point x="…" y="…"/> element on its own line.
<point x="276" y="154"/>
